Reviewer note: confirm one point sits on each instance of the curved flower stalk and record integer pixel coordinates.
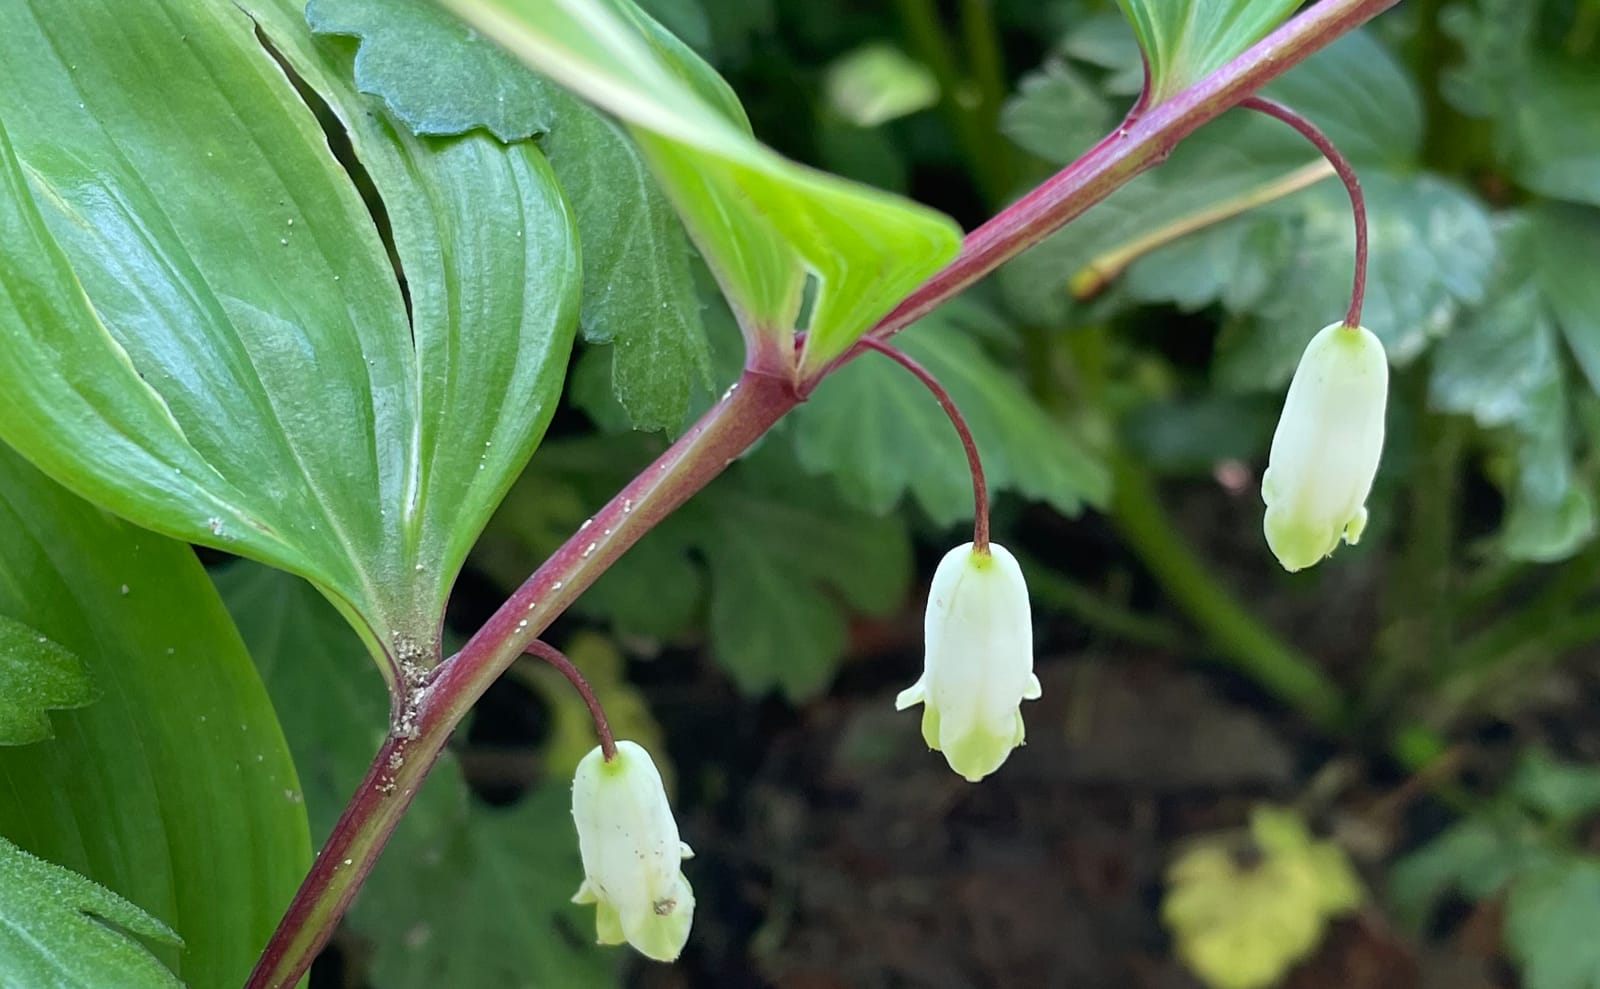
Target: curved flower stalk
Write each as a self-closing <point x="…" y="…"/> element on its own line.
<point x="1326" y="450"/>
<point x="632" y="855"/>
<point x="979" y="664"/>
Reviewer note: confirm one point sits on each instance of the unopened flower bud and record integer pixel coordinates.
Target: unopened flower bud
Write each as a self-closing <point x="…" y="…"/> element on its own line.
<point x="979" y="662"/>
<point x="632" y="855"/>
<point x="1326" y="450"/>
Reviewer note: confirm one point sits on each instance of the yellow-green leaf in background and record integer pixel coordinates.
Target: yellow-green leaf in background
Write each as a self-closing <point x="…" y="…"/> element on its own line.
<point x="1243" y="912"/>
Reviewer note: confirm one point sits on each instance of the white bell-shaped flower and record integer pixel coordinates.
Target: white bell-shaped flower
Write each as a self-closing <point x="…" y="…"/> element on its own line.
<point x="979" y="665"/>
<point x="1326" y="450"/>
<point x="632" y="855"/>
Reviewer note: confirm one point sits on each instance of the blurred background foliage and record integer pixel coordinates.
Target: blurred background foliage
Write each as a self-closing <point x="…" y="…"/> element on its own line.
<point x="1393" y="754"/>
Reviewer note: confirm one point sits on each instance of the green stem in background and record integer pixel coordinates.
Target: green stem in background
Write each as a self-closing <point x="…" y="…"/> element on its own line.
<point x="957" y="99"/>
<point x="1418" y="627"/>
<point x="986" y="62"/>
<point x="1098" y="611"/>
<point x="428" y="712"/>
<point x="1239" y="638"/>
<point x="1556" y="620"/>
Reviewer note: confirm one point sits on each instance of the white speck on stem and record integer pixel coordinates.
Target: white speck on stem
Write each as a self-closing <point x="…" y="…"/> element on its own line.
<point x="590" y="549"/>
<point x="556" y="586"/>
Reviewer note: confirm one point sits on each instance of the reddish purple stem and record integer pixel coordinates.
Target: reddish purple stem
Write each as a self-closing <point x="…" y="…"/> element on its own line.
<point x="980" y="487"/>
<point x="555" y="657"/>
<point x="1352" y="185"/>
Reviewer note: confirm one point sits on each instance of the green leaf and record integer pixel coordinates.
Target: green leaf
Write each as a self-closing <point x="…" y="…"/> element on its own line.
<point x="1554" y="137"/>
<point x="1432" y="252"/>
<point x="1541" y="103"/>
<point x="36" y="676"/>
<point x="1057" y="114"/>
<point x="1563" y="793"/>
<point x="1502" y="366"/>
<point x="463" y="896"/>
<point x="1550" y="920"/>
<point x="773" y="558"/>
<point x="208" y="335"/>
<point x="638" y="293"/>
<point x="782" y="560"/>
<point x="875" y="429"/>
<point x="433" y="73"/>
<point x="1564" y="243"/>
<point x="1184" y="40"/>
<point x="1179" y="227"/>
<point x="1478" y="856"/>
<point x="175" y="789"/>
<point x="55" y="930"/>
<point x="765" y="225"/>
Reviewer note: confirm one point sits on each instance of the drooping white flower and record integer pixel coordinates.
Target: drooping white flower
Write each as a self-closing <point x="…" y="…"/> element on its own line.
<point x="979" y="663"/>
<point x="632" y="855"/>
<point x="1326" y="450"/>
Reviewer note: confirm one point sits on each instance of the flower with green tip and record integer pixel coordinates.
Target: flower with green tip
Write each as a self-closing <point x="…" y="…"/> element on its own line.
<point x="979" y="662"/>
<point x="631" y="853"/>
<point x="1326" y="450"/>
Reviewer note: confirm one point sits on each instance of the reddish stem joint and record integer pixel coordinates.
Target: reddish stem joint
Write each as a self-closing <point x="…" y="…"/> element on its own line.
<point x="980" y="487"/>
<point x="1352" y="185"/>
<point x="555" y="657"/>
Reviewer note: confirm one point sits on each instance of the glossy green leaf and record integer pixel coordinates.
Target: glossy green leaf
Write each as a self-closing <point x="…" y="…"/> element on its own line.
<point x="434" y="73"/>
<point x="36" y="676"/>
<point x="638" y="294"/>
<point x="875" y="429"/>
<point x="1184" y="40"/>
<point x="463" y="895"/>
<point x="1549" y="928"/>
<point x="210" y="338"/>
<point x="489" y="254"/>
<point x="175" y="788"/>
<point x="55" y="930"/>
<point x="764" y="224"/>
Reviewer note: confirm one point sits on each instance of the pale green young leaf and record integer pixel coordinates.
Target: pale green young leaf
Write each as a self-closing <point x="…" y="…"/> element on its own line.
<point x="463" y="896"/>
<point x="434" y="73"/>
<point x="875" y="429"/>
<point x="1183" y="40"/>
<point x="764" y="224"/>
<point x="36" y="676"/>
<point x="1478" y="857"/>
<point x="55" y="930"/>
<point x="877" y="83"/>
<point x="175" y="788"/>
